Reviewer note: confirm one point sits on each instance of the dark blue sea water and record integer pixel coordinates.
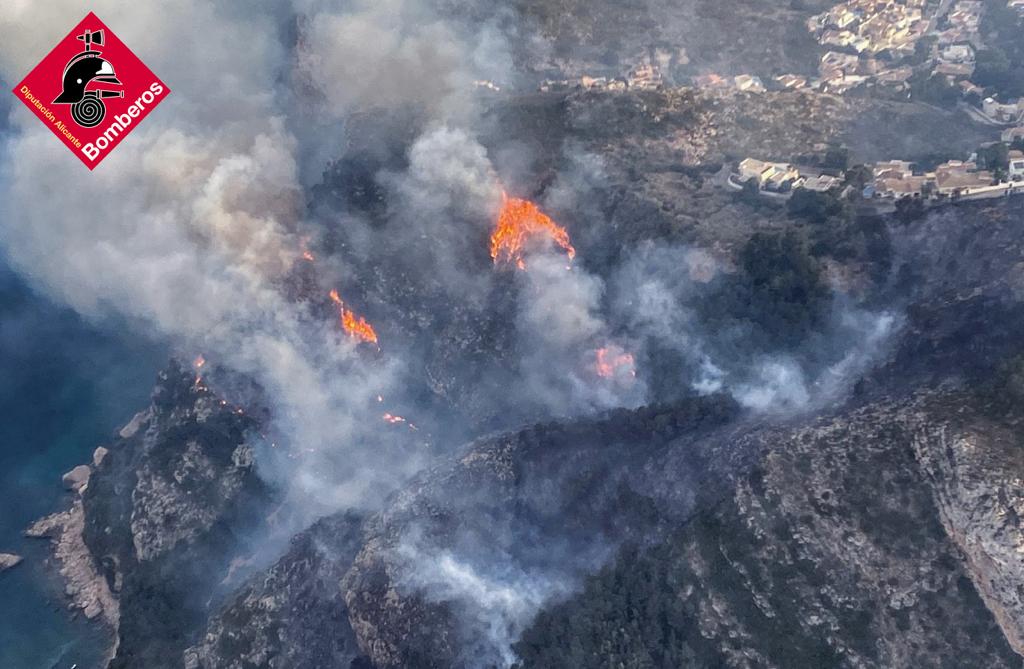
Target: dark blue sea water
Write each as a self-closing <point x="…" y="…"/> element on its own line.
<point x="65" y="387"/>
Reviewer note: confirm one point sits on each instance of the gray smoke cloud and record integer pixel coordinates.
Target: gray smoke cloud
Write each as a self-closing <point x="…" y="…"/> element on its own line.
<point x="656" y="291"/>
<point x="191" y="227"/>
<point x="390" y="53"/>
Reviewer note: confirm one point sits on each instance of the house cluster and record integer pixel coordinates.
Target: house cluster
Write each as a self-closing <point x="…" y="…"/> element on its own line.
<point x="840" y="72"/>
<point x="962" y="22"/>
<point x="897" y="179"/>
<point x="872" y="26"/>
<point x="869" y="39"/>
<point x="955" y="62"/>
<point x="646" y="76"/>
<point x="783" y="177"/>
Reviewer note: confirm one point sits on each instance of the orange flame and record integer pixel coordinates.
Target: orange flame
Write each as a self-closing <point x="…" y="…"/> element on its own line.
<point x="198" y="365"/>
<point x="354" y="326"/>
<point x="398" y="420"/>
<point x="518" y="221"/>
<point x="612" y="359"/>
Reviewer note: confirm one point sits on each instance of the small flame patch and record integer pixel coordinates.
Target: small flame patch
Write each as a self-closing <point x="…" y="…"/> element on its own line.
<point x="354" y="326"/>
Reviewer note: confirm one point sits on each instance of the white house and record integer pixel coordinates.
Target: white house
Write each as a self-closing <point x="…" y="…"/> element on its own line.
<point x="768" y="175"/>
<point x="1005" y="113"/>
<point x="957" y="53"/>
<point x="1016" y="166"/>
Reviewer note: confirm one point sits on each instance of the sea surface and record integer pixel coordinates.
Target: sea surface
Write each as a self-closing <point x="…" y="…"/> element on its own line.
<point x="66" y="386"/>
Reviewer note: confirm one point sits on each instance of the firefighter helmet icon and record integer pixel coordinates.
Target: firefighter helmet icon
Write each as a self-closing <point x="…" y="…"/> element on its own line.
<point x="81" y="85"/>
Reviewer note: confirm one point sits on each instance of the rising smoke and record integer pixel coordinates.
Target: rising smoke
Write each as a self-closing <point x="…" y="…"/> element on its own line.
<point x="191" y="228"/>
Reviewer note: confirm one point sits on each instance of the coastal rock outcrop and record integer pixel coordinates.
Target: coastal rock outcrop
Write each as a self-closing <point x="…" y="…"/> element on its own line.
<point x="8" y="561"/>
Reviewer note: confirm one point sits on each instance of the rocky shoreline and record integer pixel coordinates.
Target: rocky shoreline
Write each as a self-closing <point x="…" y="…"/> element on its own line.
<point x="9" y="561"/>
<point x="86" y="589"/>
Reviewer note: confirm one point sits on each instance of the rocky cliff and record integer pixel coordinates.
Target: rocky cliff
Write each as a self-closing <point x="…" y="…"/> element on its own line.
<point x="293" y="615"/>
<point x="835" y="550"/>
<point x="159" y="518"/>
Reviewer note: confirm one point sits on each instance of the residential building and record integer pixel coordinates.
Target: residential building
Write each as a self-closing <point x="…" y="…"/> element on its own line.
<point x="895" y="169"/>
<point x="821" y="183"/>
<point x="1016" y="171"/>
<point x="970" y="88"/>
<point x="896" y="77"/>
<point x="1011" y="135"/>
<point x="834" y="61"/>
<point x="957" y="53"/>
<point x="897" y="189"/>
<point x="954" y="71"/>
<point x="791" y="81"/>
<point x="645" y="77"/>
<point x="776" y="177"/>
<point x="710" y="81"/>
<point x="1003" y="113"/>
<point x="957" y="177"/>
<point x="748" y="82"/>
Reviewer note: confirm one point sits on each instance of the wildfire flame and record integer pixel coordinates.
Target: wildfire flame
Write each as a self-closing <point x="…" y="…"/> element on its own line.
<point x="518" y="221"/>
<point x="354" y="326"/>
<point x="398" y="420"/>
<point x="197" y="364"/>
<point x="611" y="360"/>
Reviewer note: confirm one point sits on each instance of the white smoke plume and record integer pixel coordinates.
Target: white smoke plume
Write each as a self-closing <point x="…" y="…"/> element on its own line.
<point x="189" y="228"/>
<point x="497" y="600"/>
<point x="562" y="329"/>
<point x="656" y="291"/>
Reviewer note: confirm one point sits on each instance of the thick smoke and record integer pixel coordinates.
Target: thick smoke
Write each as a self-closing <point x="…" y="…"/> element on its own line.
<point x="563" y="331"/>
<point x="192" y="228"/>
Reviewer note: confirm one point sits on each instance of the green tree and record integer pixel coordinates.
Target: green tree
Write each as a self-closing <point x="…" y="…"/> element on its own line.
<point x="859" y="176"/>
<point x="816" y="207"/>
<point x="751" y="193"/>
<point x="909" y="209"/>
<point x="837" y="157"/>
<point x="994" y="157"/>
<point x="782" y="286"/>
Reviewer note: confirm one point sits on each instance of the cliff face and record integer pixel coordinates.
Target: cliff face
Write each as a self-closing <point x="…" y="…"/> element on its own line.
<point x="975" y="465"/>
<point x="163" y="511"/>
<point x="461" y="557"/>
<point x="293" y="615"/>
<point x="831" y="552"/>
<point x="884" y="534"/>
